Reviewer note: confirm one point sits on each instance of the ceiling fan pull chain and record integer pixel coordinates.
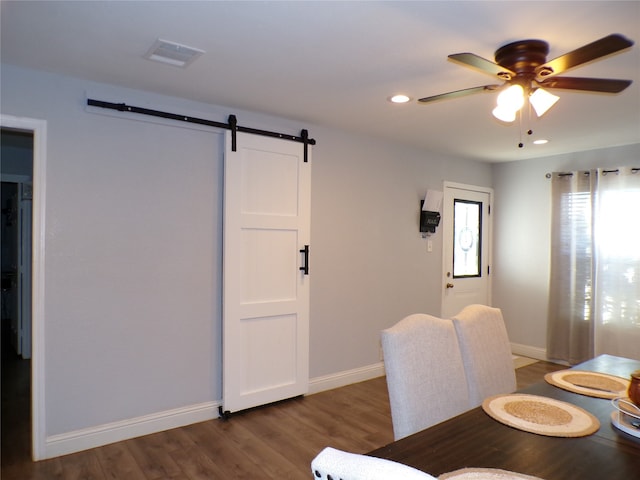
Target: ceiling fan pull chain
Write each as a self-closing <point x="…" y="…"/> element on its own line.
<point x="520" y="145"/>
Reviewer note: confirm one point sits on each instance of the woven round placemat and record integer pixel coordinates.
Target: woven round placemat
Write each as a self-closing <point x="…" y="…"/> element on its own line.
<point x="485" y="474"/>
<point x="591" y="384"/>
<point x="541" y="415"/>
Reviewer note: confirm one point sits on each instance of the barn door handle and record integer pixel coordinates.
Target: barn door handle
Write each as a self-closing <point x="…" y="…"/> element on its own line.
<point x="305" y="266"/>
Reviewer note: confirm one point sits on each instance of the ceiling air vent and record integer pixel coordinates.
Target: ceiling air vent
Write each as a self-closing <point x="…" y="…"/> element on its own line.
<point x="173" y="53"/>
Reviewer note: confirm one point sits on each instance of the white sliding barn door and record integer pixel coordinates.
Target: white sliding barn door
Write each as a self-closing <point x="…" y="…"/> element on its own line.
<point x="266" y="291"/>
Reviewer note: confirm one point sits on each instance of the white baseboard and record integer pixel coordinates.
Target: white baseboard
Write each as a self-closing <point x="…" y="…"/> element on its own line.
<point x="529" y="351"/>
<point x="341" y="379"/>
<point x="84" y="439"/>
<point x="87" y="438"/>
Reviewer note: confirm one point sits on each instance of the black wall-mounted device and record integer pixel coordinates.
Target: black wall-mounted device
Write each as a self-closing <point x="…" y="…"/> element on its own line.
<point x="428" y="220"/>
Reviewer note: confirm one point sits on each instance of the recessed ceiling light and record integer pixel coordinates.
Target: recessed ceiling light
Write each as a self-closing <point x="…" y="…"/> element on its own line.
<point x="173" y="53"/>
<point x="399" y="98"/>
<point x="541" y="141"/>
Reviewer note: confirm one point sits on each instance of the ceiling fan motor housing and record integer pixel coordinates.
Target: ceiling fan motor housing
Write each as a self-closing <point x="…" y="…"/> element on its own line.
<point x="523" y="57"/>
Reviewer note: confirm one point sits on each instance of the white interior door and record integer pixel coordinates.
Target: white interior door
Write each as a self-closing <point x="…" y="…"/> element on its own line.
<point x="266" y="290"/>
<point x="467" y="247"/>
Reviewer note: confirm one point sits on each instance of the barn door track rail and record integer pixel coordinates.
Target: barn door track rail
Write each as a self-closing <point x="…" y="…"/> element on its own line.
<point x="231" y="125"/>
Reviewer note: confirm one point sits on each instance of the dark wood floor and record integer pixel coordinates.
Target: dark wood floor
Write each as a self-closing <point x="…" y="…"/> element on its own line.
<point x="276" y="441"/>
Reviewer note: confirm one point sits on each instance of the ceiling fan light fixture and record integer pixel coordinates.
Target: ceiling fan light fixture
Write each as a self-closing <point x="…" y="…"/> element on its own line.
<point x="524" y="62"/>
<point x="504" y="114"/>
<point x="512" y="98"/>
<point x="541" y="100"/>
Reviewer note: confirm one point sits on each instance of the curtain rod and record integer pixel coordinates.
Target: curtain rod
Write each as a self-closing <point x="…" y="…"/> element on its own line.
<point x="231" y="125"/>
<point x="586" y="172"/>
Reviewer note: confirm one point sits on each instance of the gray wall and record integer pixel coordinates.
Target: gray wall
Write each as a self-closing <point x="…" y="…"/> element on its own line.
<point x="133" y="248"/>
<point x="371" y="266"/>
<point x="522" y="235"/>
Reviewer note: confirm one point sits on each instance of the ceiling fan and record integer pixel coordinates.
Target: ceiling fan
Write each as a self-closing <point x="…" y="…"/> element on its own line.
<point x="524" y="69"/>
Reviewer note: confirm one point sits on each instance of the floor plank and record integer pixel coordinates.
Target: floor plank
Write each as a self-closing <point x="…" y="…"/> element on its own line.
<point x="83" y="466"/>
<point x="117" y="461"/>
<point x="272" y="442"/>
<point x="535" y="372"/>
<point x="150" y="455"/>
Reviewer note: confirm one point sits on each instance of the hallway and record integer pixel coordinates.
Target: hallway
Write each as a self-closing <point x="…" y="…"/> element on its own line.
<point x="16" y="403"/>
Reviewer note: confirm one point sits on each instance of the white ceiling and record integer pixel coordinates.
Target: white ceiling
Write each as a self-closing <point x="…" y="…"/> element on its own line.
<point x="336" y="63"/>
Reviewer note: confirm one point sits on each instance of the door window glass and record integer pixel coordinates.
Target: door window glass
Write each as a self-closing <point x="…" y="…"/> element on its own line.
<point x="467" y="231"/>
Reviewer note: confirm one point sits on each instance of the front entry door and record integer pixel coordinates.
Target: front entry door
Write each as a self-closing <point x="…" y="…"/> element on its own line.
<point x="266" y="271"/>
<point x="467" y="247"/>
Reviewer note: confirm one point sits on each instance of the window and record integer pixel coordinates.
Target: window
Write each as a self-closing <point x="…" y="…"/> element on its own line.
<point x="594" y="297"/>
<point x="467" y="228"/>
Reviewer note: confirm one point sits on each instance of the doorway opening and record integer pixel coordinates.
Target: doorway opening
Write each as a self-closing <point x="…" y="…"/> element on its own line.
<point x="16" y="171"/>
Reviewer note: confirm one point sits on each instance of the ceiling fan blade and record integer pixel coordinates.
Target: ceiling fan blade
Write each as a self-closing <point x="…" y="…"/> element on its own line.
<point x="606" y="85"/>
<point x="600" y="48"/>
<point x="459" y="93"/>
<point x="482" y="64"/>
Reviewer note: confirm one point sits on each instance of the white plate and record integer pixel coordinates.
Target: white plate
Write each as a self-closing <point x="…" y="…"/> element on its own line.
<point x="619" y="421"/>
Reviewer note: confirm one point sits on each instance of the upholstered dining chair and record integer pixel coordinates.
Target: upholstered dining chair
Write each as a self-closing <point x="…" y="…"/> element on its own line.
<point x="486" y="352"/>
<point x="425" y="373"/>
<point x="332" y="464"/>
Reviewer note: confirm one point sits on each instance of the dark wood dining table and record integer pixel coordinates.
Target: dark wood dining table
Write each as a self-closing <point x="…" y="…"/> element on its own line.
<point x="475" y="440"/>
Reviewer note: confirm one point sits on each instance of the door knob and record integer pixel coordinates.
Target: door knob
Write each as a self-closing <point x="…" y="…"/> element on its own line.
<point x="449" y="285"/>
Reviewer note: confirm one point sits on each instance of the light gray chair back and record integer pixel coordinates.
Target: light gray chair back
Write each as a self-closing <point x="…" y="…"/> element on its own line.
<point x="486" y="352"/>
<point x="425" y="373"/>
<point x="332" y="464"/>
